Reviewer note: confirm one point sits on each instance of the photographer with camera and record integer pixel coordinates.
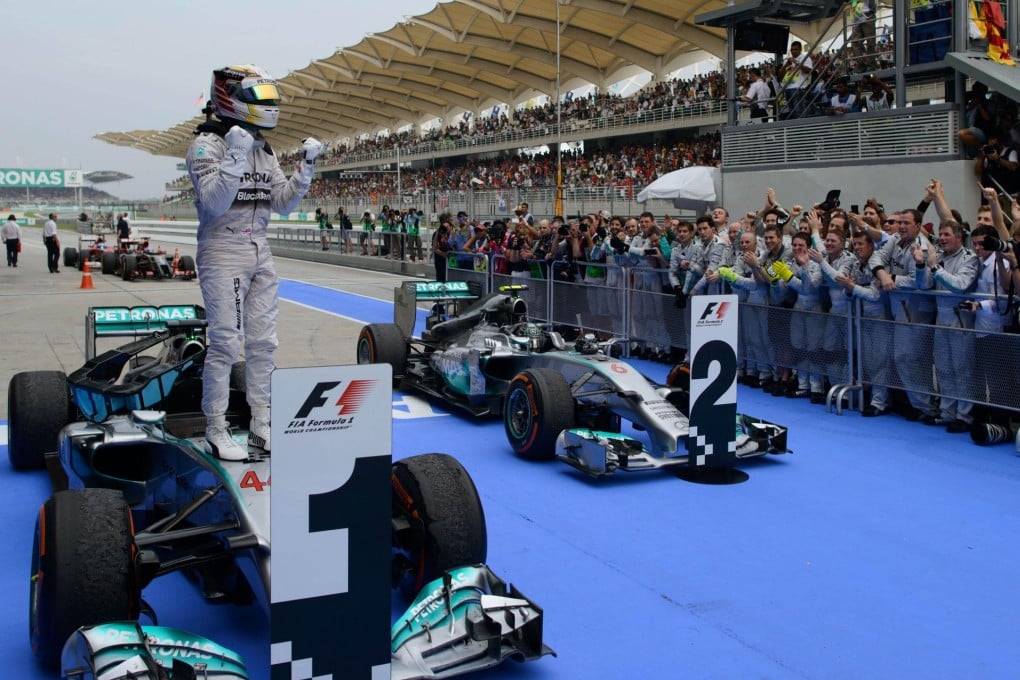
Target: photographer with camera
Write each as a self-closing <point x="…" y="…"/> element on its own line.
<point x="516" y="242"/>
<point x="997" y="165"/>
<point x="996" y="373"/>
<point x="566" y="251"/>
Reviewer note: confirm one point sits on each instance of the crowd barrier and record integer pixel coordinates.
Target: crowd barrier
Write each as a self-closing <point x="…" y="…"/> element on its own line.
<point x="846" y="351"/>
<point x="376" y="243"/>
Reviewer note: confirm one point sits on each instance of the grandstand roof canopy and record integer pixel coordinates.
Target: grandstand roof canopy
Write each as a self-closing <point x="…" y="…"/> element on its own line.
<point x="100" y="176"/>
<point x="469" y="55"/>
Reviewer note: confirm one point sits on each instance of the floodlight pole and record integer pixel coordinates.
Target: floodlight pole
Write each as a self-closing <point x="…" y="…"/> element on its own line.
<point x="559" y="121"/>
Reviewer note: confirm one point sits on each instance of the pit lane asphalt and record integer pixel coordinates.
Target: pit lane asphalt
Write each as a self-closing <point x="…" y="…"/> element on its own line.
<point x="44" y="314"/>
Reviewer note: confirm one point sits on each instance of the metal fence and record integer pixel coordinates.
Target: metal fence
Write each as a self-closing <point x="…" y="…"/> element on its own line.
<point x="917" y="133"/>
<point x="845" y="351"/>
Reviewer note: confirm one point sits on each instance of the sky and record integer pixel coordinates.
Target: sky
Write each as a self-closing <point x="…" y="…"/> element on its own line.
<point x="74" y="69"/>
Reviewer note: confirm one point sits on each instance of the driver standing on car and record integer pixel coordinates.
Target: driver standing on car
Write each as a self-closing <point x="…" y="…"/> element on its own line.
<point x="238" y="182"/>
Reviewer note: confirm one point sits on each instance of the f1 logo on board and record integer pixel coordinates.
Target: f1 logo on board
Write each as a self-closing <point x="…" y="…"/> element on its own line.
<point x="315" y="416"/>
<point x="714" y="314"/>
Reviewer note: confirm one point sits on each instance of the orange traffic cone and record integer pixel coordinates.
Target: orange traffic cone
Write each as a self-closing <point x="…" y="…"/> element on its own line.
<point x="86" y="276"/>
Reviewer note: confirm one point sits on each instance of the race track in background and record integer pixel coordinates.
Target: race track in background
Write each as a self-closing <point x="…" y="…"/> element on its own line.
<point x="879" y="549"/>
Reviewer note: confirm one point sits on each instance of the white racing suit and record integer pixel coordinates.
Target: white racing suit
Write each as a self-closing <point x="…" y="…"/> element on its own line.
<point x="234" y="195"/>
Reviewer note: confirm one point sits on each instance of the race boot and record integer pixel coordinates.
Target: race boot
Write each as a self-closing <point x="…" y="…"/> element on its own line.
<point x="219" y="442"/>
<point x="258" y="432"/>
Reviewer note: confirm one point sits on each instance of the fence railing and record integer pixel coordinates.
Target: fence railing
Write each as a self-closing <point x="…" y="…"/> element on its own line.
<point x="916" y="133"/>
<point x="712" y="111"/>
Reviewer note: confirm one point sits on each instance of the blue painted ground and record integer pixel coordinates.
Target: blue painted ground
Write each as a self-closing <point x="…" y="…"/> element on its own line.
<point x="880" y="549"/>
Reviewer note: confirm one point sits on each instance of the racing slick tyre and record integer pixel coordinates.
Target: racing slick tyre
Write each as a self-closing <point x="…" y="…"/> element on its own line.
<point x="128" y="267"/>
<point x="186" y="265"/>
<point x="38" y="406"/>
<point x="538" y="406"/>
<point x="109" y="263"/>
<point x="383" y="343"/>
<point x="438" y="522"/>
<point x="70" y="256"/>
<point x="82" y="568"/>
<point x="679" y="379"/>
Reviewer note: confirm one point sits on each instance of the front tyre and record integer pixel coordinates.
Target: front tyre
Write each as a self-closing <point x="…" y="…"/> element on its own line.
<point x="38" y="406"/>
<point x="538" y="406"/>
<point x="82" y="568"/>
<point x="383" y="343"/>
<point x="437" y="519"/>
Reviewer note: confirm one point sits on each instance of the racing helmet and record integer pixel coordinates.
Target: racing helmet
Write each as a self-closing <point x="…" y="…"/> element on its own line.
<point x="247" y="94"/>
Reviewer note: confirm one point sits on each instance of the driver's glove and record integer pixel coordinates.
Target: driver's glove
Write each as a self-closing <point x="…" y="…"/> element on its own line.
<point x="238" y="140"/>
<point x="312" y="148"/>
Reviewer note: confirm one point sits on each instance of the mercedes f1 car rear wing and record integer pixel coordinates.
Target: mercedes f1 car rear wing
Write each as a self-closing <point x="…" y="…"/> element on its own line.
<point x="447" y="297"/>
<point x="133" y="322"/>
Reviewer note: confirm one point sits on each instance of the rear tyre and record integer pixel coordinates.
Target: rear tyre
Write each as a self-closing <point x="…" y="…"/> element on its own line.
<point x="70" y="256"/>
<point x="109" y="263"/>
<point x="82" y="568"/>
<point x="128" y="267"/>
<point x="187" y="264"/>
<point x="383" y="343"/>
<point x="538" y="406"/>
<point x="38" y="406"/>
<point x="438" y="520"/>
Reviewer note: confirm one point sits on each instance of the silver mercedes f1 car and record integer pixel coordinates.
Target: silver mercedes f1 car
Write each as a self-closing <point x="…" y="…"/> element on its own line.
<point x="569" y="401"/>
<point x="136" y="496"/>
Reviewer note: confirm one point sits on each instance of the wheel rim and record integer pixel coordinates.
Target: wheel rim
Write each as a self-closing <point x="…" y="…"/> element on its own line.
<point x="364" y="351"/>
<point x="518" y="417"/>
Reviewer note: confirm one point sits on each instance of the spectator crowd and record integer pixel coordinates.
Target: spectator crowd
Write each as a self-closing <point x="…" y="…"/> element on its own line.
<point x="922" y="282"/>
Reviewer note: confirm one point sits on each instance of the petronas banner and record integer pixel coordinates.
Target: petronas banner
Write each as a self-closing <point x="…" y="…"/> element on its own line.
<point x="17" y="177"/>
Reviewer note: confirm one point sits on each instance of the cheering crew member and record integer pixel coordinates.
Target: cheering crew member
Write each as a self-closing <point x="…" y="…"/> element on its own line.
<point x="238" y="182"/>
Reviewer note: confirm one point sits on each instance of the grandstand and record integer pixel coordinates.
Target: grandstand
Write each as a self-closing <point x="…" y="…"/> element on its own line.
<point x="415" y="113"/>
<point x="55" y="196"/>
